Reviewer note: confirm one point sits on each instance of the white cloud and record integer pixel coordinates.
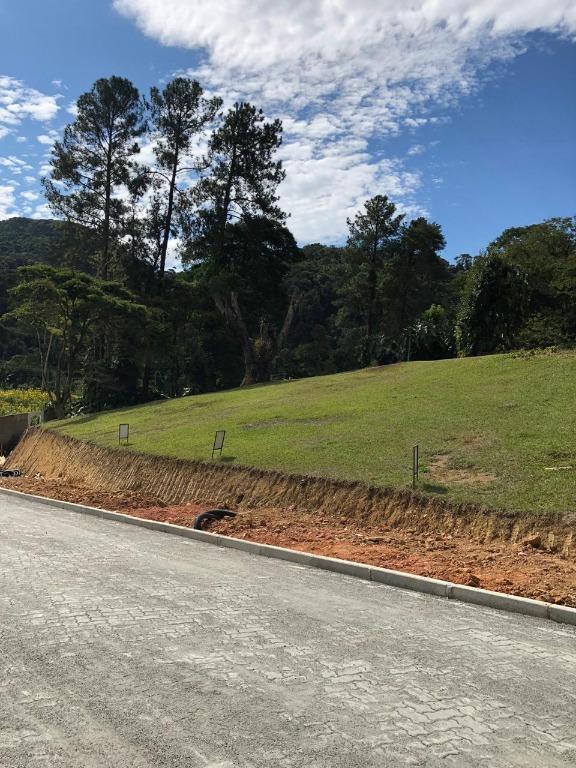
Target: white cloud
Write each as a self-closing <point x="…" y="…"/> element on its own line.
<point x="259" y="33"/>
<point x="344" y="73"/>
<point x="47" y="138"/>
<point x="30" y="196"/>
<point x="42" y="211"/>
<point x="15" y="164"/>
<point x="21" y="139"/>
<point x="19" y="103"/>
<point x="417" y="149"/>
<point x="7" y="201"/>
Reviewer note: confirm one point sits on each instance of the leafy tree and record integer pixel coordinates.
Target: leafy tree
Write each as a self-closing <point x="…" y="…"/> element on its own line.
<point x="373" y="235"/>
<point x="431" y="337"/>
<point x="242" y="176"/>
<point x="238" y="197"/>
<point x="96" y="158"/>
<point x="545" y="253"/>
<point x="249" y="290"/>
<point x="29" y="241"/>
<point x="493" y="306"/>
<point x="315" y="347"/>
<point x="414" y="277"/>
<point x="63" y="307"/>
<point x="463" y="262"/>
<point x="179" y="115"/>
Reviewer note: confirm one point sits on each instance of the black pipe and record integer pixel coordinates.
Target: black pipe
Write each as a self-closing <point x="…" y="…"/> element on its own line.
<point x="211" y="515"/>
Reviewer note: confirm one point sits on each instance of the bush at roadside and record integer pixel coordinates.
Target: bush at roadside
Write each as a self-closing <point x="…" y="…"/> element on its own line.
<point x="22" y="401"/>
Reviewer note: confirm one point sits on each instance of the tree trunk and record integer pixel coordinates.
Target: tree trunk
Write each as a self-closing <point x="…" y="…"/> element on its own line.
<point x="259" y="354"/>
<point x="168" y="223"/>
<point x="251" y="369"/>
<point x="59" y="409"/>
<point x="370" y="309"/>
<point x="103" y="271"/>
<point x="146" y="378"/>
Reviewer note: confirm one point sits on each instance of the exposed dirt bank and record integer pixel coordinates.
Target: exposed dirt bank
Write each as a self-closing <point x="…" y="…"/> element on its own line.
<point x="520" y="567"/>
<point x="174" y="481"/>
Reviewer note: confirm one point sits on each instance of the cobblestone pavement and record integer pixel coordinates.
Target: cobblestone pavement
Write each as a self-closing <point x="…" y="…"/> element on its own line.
<point x="127" y="648"/>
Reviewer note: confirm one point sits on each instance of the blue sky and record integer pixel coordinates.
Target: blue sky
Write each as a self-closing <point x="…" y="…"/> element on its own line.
<point x="462" y="111"/>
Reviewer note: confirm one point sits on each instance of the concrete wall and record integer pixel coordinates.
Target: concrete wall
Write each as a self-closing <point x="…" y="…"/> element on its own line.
<point x="11" y="430"/>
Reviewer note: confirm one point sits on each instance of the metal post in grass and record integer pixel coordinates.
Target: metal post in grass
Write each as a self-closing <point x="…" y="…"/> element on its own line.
<point x="415" y="465"/>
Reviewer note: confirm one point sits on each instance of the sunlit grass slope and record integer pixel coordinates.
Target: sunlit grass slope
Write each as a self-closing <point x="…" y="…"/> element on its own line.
<point x="498" y="430"/>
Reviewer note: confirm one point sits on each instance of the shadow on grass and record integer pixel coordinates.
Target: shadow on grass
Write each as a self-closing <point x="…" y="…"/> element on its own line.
<point x="433" y="488"/>
<point x="227" y="459"/>
<point x="125" y="409"/>
<point x="78" y="420"/>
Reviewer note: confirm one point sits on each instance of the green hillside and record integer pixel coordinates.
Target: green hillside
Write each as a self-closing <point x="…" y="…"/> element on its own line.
<point x="494" y="430"/>
<point x="44" y="241"/>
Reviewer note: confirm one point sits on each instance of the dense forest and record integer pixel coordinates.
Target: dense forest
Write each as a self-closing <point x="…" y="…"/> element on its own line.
<point x="91" y="312"/>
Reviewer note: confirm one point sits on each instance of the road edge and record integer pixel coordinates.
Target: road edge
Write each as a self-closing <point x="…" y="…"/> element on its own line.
<point x="471" y="595"/>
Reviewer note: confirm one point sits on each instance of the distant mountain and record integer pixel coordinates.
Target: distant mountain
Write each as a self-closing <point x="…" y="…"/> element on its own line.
<point x="48" y="241"/>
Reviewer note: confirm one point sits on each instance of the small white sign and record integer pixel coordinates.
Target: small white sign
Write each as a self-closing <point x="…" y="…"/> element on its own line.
<point x="218" y="441"/>
<point x="123" y="432"/>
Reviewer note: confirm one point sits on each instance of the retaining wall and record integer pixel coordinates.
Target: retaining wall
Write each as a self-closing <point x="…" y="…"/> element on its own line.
<point x="12" y="428"/>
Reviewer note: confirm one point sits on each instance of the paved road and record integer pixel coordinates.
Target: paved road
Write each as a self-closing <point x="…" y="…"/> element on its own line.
<point x="126" y="648"/>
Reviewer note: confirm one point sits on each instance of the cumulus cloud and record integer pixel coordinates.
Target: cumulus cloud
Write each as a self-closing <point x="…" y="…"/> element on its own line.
<point x="7" y="201"/>
<point x="14" y="164"/>
<point x="42" y="211"/>
<point x="19" y="103"/>
<point x="257" y="33"/>
<point x="47" y="138"/>
<point x="345" y="73"/>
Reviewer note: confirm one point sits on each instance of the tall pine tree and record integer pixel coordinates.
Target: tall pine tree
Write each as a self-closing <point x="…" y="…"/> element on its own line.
<point x="179" y="116"/>
<point x="240" y="188"/>
<point x="373" y="234"/>
<point x="95" y="160"/>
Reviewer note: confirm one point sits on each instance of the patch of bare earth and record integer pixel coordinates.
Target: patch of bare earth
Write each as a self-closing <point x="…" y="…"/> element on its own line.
<point x="439" y="470"/>
<point x="516" y="568"/>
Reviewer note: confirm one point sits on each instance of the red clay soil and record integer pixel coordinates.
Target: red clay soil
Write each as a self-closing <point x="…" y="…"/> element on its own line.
<point x="518" y="569"/>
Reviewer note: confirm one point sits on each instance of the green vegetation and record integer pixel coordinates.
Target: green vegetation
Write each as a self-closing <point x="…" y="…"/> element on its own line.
<point x="488" y="427"/>
<point x="248" y="304"/>
<point x="22" y="401"/>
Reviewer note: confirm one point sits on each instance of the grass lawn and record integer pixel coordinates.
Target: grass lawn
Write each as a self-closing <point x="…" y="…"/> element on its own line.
<point x="492" y="430"/>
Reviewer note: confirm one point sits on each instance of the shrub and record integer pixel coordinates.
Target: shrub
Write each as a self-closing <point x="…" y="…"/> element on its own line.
<point x="22" y="401"/>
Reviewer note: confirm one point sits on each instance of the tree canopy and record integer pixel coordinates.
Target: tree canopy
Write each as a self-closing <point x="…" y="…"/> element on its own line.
<point x="93" y="310"/>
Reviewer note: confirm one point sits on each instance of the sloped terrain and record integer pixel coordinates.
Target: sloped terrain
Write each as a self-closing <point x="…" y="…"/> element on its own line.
<point x="528" y="554"/>
<point x="495" y="431"/>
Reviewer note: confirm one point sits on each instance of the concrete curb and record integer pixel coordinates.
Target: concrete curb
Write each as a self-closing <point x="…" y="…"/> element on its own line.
<point x="483" y="597"/>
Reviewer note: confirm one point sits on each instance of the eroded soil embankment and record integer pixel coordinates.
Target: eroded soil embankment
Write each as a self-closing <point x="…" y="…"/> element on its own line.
<point x="520" y="553"/>
<point x="519" y="568"/>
